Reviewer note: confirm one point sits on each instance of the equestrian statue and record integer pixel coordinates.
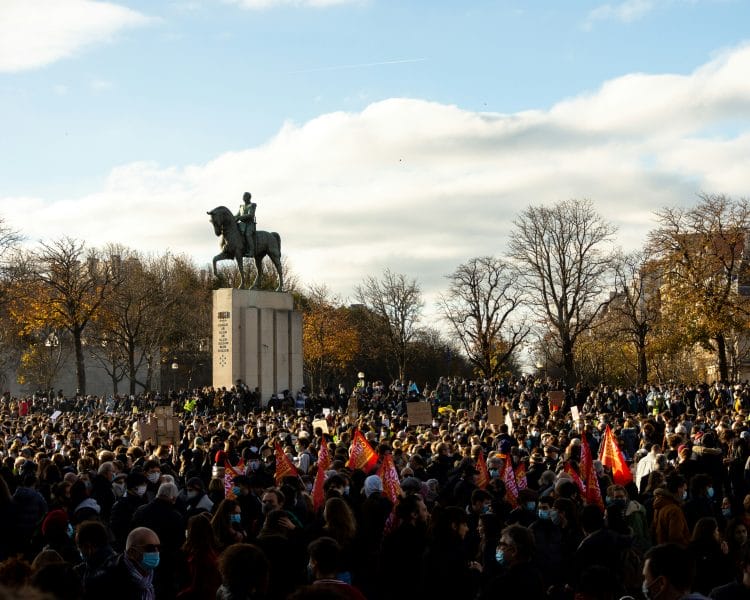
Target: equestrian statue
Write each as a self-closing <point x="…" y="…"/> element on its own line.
<point x="240" y="239"/>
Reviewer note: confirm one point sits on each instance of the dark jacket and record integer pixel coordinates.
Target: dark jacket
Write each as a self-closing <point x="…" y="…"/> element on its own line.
<point x="519" y="581"/>
<point x="121" y="518"/>
<point x="114" y="582"/>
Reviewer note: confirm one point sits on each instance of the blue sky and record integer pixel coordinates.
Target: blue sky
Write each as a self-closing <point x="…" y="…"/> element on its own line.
<point x="372" y="133"/>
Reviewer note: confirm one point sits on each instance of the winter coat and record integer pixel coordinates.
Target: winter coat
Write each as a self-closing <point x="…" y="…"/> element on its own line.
<point x="669" y="523"/>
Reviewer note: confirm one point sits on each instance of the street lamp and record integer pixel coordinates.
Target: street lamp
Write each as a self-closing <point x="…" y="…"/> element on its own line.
<point x="361" y="377"/>
<point x="175" y="366"/>
<point x="52" y="342"/>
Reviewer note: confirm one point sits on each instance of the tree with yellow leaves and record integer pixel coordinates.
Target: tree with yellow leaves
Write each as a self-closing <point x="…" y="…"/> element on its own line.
<point x="329" y="337"/>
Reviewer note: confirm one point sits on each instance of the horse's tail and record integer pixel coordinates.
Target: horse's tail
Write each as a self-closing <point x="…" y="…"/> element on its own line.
<point x="278" y="240"/>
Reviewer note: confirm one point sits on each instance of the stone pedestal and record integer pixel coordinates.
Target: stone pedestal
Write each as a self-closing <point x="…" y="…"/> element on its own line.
<point x="257" y="337"/>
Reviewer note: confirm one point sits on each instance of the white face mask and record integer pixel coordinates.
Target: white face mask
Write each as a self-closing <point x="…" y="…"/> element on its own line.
<point x="140" y="490"/>
<point x="118" y="489"/>
<point x="153" y="477"/>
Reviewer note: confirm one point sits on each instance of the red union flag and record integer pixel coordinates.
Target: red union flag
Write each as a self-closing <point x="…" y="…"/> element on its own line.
<point x="521" y="477"/>
<point x="230" y="473"/>
<point x="361" y="454"/>
<point x="484" y="475"/>
<point x="593" y="493"/>
<point x="324" y="461"/>
<point x="576" y="479"/>
<point x="511" y="489"/>
<point x="389" y="476"/>
<point x="611" y="456"/>
<point x="284" y="466"/>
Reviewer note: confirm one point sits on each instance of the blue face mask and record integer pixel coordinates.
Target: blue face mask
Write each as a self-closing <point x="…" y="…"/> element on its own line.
<point x="235" y="518"/>
<point x="726" y="513"/>
<point x="543" y="514"/>
<point x="531" y="506"/>
<point x="485" y="509"/>
<point x="150" y="560"/>
<point x="71" y="532"/>
<point x="236" y="491"/>
<point x="500" y="557"/>
<point x="710" y="492"/>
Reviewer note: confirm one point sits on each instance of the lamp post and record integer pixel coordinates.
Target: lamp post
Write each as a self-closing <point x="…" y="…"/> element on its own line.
<point x="175" y="366"/>
<point x="52" y="342"/>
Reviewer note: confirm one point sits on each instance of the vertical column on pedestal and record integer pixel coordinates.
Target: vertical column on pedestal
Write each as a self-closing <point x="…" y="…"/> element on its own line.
<point x="266" y="351"/>
<point x="282" y="351"/>
<point x="250" y="347"/>
<point x="296" y="378"/>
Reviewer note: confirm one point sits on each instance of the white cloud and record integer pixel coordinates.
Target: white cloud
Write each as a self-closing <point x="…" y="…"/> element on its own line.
<point x="40" y="32"/>
<point x="625" y="12"/>
<point x="267" y="4"/>
<point x="101" y="85"/>
<point x="419" y="186"/>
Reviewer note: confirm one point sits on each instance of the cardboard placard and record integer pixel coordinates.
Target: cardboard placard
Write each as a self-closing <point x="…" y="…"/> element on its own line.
<point x="574" y="412"/>
<point x="419" y="413"/>
<point x="145" y="430"/>
<point x="168" y="431"/>
<point x="556" y="399"/>
<point x="495" y="414"/>
<point x="352" y="411"/>
<point x="322" y="423"/>
<point x="55" y="415"/>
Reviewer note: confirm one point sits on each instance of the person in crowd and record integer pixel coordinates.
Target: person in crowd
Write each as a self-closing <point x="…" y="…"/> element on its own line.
<point x="518" y="577"/>
<point x="670" y="524"/>
<point x="325" y="558"/>
<point x="710" y="555"/>
<point x="739" y="589"/>
<point x="131" y="574"/>
<point x="124" y="508"/>
<point x="198" y="561"/>
<point x="92" y="541"/>
<point x="244" y="573"/>
<point x="160" y="516"/>
<point x="447" y="570"/>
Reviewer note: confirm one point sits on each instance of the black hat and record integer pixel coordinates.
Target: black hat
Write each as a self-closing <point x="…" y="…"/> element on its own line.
<point x="135" y="478"/>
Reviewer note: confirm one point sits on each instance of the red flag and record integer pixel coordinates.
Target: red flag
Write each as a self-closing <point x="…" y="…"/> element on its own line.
<point x="611" y="456"/>
<point x="521" y="477"/>
<point x="230" y="473"/>
<point x="361" y="454"/>
<point x="511" y="489"/>
<point x="284" y="466"/>
<point x="484" y="474"/>
<point x="576" y="479"/>
<point x="593" y="493"/>
<point x="389" y="477"/>
<point x="391" y="488"/>
<point x="324" y="461"/>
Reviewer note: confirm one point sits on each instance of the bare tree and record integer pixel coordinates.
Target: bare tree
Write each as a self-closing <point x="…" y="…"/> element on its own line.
<point x="563" y="261"/>
<point x="482" y="298"/>
<point x="397" y="302"/>
<point x="635" y="306"/>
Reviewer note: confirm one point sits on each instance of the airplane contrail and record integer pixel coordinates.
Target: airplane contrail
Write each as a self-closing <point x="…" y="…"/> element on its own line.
<point x="360" y="65"/>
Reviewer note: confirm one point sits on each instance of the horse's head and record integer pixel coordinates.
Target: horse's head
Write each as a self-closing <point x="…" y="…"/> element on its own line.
<point x="215" y="221"/>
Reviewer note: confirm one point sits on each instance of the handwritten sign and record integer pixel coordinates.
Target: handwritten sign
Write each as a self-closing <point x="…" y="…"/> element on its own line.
<point x="322" y="423"/>
<point x="495" y="414"/>
<point x="419" y="413"/>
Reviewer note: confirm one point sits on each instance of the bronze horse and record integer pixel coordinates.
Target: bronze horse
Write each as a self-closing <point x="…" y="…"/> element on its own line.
<point x="234" y="247"/>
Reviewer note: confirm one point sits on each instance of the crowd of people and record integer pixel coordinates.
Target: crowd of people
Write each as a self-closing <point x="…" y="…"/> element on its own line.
<point x="270" y="503"/>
